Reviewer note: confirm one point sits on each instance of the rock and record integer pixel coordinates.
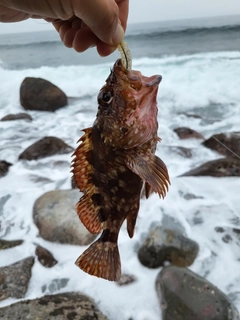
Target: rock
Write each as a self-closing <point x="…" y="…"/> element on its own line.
<point x="184" y="295"/>
<point x="63" y="306"/>
<point x="163" y="245"/>
<point x="4" y="165"/>
<point x="73" y="183"/>
<point x="229" y="235"/>
<point x="45" y="257"/>
<point x="224" y="142"/>
<point x="17" y="116"/>
<point x="5" y="244"/>
<point x="187" y="133"/>
<point x="42" y="95"/>
<point x="191" y="196"/>
<point x="56" y="218"/>
<point x="191" y="115"/>
<point x="55" y="285"/>
<point x="126" y="279"/>
<point x="181" y="151"/>
<point x="226" y="167"/>
<point x="14" y="279"/>
<point x="45" y="147"/>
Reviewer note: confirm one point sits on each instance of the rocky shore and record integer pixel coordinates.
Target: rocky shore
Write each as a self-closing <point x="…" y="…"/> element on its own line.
<point x="166" y="247"/>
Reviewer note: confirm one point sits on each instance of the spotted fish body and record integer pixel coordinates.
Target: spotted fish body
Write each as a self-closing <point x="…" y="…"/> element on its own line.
<point x="114" y="162"/>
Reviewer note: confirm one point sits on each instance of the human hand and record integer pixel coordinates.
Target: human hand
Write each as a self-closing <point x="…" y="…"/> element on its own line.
<point x="81" y="23"/>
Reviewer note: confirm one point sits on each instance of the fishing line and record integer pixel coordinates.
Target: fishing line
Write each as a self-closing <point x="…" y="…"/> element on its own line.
<point x="226" y="147"/>
<point x="125" y="55"/>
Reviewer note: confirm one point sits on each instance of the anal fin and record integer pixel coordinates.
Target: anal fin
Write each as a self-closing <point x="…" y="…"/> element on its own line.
<point x="102" y="260"/>
<point x="131" y="221"/>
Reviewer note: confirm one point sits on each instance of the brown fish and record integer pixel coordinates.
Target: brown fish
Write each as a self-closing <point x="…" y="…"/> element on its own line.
<point x="114" y="162"/>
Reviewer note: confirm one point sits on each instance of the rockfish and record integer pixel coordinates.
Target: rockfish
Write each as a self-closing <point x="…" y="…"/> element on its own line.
<point x="115" y="162"/>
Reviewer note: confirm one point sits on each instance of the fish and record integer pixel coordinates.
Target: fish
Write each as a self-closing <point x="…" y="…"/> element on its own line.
<point x="115" y="163"/>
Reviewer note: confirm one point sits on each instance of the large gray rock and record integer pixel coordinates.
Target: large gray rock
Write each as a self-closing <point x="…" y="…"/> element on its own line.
<point x="45" y="147"/>
<point x="64" y="306"/>
<point x="227" y="144"/>
<point x="163" y="245"/>
<point x="14" y="279"/>
<point x="42" y="95"/>
<point x="227" y="167"/>
<point x="184" y="295"/>
<point x="56" y="218"/>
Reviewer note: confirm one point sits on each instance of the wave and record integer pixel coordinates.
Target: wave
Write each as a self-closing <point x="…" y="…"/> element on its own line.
<point x="137" y="34"/>
<point x="36" y="44"/>
<point x="180" y="32"/>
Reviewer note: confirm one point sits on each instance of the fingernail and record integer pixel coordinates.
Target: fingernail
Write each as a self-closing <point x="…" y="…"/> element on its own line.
<point x="118" y="35"/>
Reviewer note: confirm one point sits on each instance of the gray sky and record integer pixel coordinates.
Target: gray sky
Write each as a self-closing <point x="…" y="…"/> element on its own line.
<point x="149" y="10"/>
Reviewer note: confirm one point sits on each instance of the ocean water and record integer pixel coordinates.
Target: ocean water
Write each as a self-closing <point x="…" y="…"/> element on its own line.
<point x="200" y="64"/>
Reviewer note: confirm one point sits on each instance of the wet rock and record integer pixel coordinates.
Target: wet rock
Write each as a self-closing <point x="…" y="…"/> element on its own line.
<point x="3" y="201"/>
<point x="228" y="235"/>
<point x="4" y="165"/>
<point x="5" y="244"/>
<point x="224" y="142"/>
<point x="187" y="133"/>
<point x="181" y="151"/>
<point x="17" y="116"/>
<point x="45" y="147"/>
<point x="42" y="95"/>
<point x="163" y="245"/>
<point x="184" y="295"/>
<point x="55" y="285"/>
<point x="73" y="183"/>
<point x="191" y="196"/>
<point x="191" y="115"/>
<point x="64" y="306"/>
<point x="56" y="218"/>
<point x="227" y="167"/>
<point x="14" y="279"/>
<point x="45" y="257"/>
<point x="126" y="279"/>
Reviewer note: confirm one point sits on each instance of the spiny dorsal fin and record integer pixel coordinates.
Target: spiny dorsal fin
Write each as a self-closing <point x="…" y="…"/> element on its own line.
<point x="151" y="169"/>
<point x="87" y="210"/>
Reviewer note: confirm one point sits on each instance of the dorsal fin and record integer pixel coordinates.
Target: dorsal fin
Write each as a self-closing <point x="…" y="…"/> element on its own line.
<point x="87" y="209"/>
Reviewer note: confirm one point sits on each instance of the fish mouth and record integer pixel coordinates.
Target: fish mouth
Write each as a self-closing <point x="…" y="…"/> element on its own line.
<point x="135" y="78"/>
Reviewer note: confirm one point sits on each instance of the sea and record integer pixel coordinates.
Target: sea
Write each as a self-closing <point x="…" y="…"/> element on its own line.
<point x="199" y="61"/>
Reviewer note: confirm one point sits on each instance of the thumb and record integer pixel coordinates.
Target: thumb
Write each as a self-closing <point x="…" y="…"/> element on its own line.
<point x="102" y="17"/>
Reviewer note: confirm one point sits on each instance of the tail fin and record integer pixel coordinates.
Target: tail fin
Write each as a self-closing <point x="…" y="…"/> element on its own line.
<point x="102" y="260"/>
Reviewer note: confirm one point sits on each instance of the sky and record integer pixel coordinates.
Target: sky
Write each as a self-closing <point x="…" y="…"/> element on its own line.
<point x="147" y="11"/>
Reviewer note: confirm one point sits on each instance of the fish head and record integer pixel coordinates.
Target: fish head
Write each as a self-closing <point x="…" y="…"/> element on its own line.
<point x="127" y="108"/>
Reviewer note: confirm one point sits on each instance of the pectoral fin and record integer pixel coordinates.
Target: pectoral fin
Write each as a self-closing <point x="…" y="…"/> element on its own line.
<point x="152" y="170"/>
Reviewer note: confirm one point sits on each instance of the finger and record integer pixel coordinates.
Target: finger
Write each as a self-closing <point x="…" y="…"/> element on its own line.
<point x="102" y="17"/>
<point x="123" y="12"/>
<point x="84" y="39"/>
<point x="104" y="49"/>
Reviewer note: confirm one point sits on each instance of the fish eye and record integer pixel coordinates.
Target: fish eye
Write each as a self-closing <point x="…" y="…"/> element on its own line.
<point x="105" y="98"/>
